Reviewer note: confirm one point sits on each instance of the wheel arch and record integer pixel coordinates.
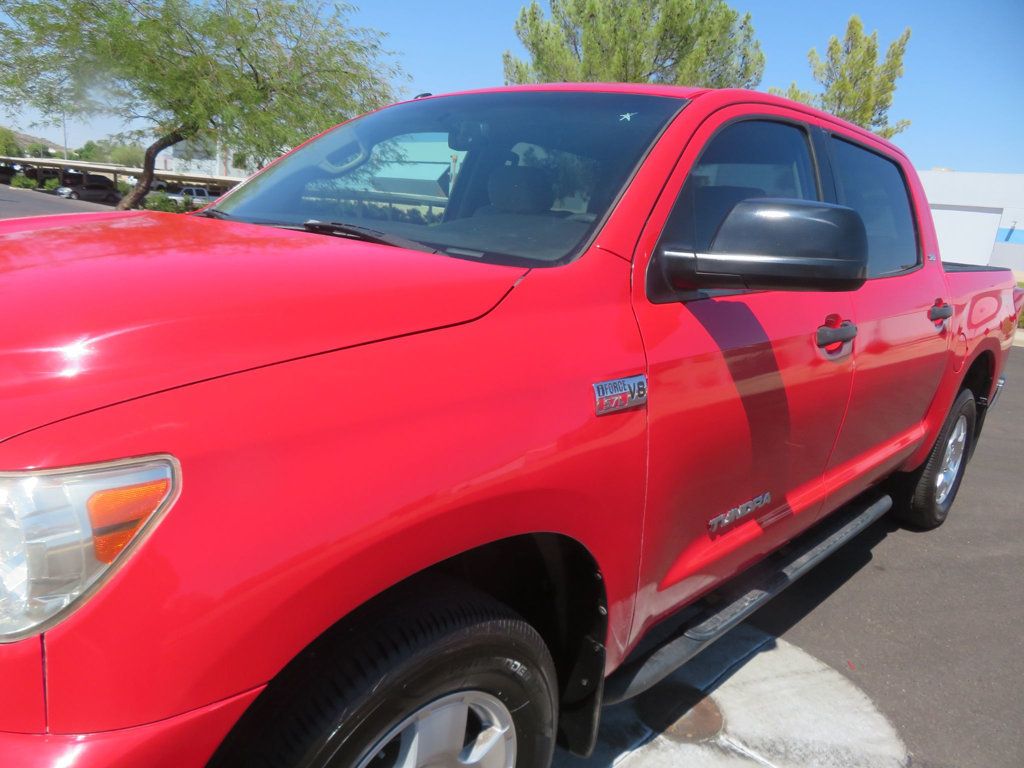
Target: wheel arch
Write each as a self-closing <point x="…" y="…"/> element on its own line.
<point x="980" y="377"/>
<point x="979" y="373"/>
<point x="551" y="580"/>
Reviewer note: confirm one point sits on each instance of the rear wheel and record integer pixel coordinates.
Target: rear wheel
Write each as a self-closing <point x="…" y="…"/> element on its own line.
<point x="443" y="680"/>
<point x="73" y="195"/>
<point x="928" y="494"/>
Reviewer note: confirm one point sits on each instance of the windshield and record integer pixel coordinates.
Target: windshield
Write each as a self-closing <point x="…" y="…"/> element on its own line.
<point x="510" y="177"/>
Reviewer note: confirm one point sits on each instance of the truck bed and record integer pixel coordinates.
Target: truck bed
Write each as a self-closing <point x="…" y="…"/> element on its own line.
<point x="954" y="266"/>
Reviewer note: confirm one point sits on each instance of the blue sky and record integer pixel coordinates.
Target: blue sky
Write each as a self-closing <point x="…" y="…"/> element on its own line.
<point x="963" y="89"/>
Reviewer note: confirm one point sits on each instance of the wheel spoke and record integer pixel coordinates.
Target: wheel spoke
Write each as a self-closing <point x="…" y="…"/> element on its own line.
<point x="440" y="733"/>
<point x="952" y="459"/>
<point x="488" y="750"/>
<point x="436" y="736"/>
<point x="409" y="748"/>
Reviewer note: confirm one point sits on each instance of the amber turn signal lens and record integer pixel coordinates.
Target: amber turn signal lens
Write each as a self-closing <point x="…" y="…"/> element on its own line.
<point x="116" y="514"/>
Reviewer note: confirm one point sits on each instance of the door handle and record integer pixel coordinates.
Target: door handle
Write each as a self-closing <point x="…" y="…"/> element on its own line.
<point x="833" y="334"/>
<point x="940" y="311"/>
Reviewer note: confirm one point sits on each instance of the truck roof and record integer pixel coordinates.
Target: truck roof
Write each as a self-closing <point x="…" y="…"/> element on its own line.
<point x="686" y="92"/>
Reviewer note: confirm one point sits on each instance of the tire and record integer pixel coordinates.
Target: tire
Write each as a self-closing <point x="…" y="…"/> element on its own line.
<point x="73" y="195"/>
<point x="928" y="493"/>
<point x="411" y="665"/>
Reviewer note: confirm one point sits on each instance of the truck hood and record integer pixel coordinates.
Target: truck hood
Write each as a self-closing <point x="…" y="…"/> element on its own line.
<point x="100" y="308"/>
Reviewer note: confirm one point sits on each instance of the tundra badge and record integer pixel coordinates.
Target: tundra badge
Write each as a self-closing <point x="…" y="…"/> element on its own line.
<point x="620" y="394"/>
<point x="736" y="513"/>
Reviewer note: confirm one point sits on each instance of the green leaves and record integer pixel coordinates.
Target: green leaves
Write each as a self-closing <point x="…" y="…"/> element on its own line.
<point x="259" y="77"/>
<point x="857" y="87"/>
<point x="108" y="151"/>
<point x="678" y="42"/>
<point x="9" y="143"/>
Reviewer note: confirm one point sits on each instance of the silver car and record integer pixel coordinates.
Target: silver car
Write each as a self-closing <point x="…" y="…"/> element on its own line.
<point x="94" y="191"/>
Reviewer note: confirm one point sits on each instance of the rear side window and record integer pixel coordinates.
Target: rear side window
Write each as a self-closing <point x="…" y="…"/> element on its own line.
<point x="753" y="158"/>
<point x="874" y="187"/>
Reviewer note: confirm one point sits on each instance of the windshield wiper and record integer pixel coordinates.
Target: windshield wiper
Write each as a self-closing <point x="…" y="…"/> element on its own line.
<point x="213" y="213"/>
<point x="341" y="229"/>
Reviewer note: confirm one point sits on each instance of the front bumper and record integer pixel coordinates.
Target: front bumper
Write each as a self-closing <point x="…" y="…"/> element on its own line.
<point x="184" y="741"/>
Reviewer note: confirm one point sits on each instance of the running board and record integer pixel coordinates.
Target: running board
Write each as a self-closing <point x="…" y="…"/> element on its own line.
<point x="648" y="666"/>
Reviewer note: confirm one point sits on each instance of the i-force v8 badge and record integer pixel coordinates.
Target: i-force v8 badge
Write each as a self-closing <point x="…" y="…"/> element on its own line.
<point x="620" y="394"/>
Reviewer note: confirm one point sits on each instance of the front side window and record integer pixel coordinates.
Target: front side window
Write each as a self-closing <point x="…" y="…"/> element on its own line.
<point x="749" y="159"/>
<point x="873" y="186"/>
<point x="504" y="177"/>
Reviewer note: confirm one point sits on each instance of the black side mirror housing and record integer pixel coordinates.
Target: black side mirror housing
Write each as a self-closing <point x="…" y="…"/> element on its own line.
<point x="770" y="244"/>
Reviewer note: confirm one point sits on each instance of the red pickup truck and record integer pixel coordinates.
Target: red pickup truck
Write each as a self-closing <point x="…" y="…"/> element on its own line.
<point x="461" y="420"/>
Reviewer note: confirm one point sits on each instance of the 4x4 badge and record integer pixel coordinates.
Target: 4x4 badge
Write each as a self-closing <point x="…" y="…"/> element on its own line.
<point x="620" y="394"/>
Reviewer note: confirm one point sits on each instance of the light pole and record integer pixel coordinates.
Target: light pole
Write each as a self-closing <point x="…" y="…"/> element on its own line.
<point x="64" y="123"/>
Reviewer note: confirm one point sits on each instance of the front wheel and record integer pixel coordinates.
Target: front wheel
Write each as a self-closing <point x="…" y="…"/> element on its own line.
<point x="929" y="492"/>
<point x="73" y="195"/>
<point x="445" y="679"/>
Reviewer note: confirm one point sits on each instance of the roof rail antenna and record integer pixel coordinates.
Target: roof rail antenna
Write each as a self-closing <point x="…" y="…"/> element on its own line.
<point x="422" y="95"/>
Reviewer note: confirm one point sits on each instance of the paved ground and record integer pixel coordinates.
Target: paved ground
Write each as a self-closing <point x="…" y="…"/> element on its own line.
<point x="27" y="202"/>
<point x="750" y="701"/>
<point x="931" y="625"/>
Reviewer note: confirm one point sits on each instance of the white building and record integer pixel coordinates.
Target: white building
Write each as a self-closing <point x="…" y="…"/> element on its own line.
<point x="979" y="217"/>
<point x="197" y="157"/>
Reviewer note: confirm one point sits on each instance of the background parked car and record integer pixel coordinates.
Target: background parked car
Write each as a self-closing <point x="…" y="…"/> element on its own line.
<point x="7" y="173"/>
<point x="93" y="190"/>
<point x="76" y="178"/>
<point x="192" y="197"/>
<point x="40" y="175"/>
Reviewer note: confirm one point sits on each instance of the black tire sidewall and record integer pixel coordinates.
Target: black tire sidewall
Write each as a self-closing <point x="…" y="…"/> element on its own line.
<point x="487" y="658"/>
<point x="925" y="508"/>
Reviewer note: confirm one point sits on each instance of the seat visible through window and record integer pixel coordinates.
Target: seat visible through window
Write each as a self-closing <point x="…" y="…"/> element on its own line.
<point x="752" y="158"/>
<point x="518" y="189"/>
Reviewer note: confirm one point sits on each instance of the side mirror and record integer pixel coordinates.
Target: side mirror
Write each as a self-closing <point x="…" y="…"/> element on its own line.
<point x="770" y="244"/>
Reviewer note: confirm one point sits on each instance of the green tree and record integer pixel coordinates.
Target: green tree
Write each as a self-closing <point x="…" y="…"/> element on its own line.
<point x="8" y="143"/>
<point x="91" y="151"/>
<point x="259" y="77"/>
<point x="856" y="85"/>
<point x="128" y="154"/>
<point x="112" y="151"/>
<point x="37" y="149"/>
<point x="679" y="42"/>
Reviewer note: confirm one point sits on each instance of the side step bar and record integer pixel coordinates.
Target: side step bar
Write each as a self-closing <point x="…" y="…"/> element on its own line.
<point x="648" y="666"/>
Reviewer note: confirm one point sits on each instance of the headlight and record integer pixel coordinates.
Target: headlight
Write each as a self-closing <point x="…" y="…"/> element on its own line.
<point x="62" y="530"/>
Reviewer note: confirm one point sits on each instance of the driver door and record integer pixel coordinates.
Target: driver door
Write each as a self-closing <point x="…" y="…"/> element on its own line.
<point x="744" y="407"/>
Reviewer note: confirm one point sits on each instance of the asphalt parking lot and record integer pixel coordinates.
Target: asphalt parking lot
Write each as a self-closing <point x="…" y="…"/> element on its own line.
<point x="904" y="648"/>
<point x="28" y="202"/>
<point x="931" y="625"/>
<point x="928" y="626"/>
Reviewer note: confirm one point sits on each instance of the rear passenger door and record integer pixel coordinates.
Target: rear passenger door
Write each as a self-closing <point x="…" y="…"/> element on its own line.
<point x="900" y="351"/>
<point x="744" y="407"/>
<point x="93" y="191"/>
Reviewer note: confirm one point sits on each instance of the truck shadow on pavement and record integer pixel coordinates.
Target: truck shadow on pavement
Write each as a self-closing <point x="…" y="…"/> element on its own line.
<point x="683" y="720"/>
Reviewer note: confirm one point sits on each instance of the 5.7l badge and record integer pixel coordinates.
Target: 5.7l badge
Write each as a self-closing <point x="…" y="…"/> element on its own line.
<point x="620" y="394"/>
